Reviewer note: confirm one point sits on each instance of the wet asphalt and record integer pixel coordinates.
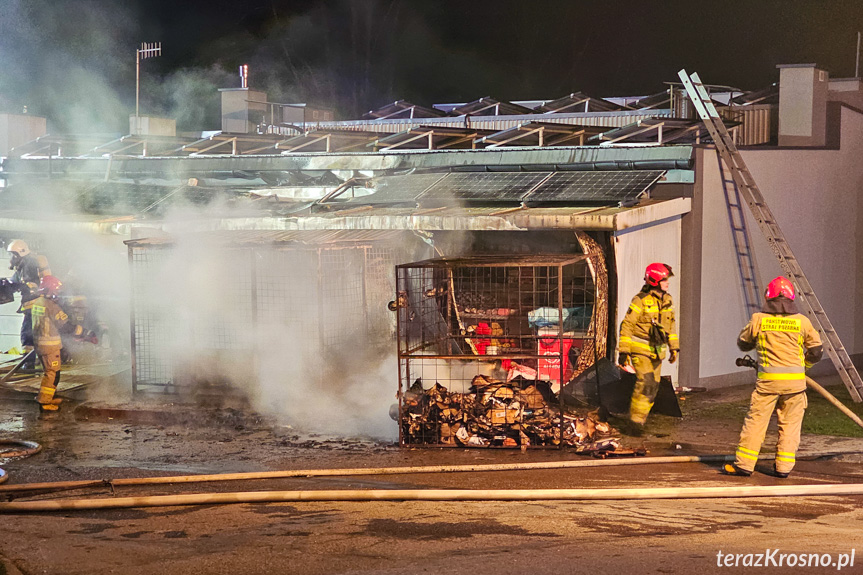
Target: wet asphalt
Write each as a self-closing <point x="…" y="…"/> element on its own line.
<point x="89" y="441"/>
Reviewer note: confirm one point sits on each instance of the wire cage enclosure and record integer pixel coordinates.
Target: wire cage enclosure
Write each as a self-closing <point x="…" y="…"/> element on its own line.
<point x="486" y="343"/>
<point x="203" y="321"/>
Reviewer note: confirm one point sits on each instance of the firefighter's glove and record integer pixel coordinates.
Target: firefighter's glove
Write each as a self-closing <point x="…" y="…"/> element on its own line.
<point x="624" y="360"/>
<point x="90" y="337"/>
<point x="672" y="356"/>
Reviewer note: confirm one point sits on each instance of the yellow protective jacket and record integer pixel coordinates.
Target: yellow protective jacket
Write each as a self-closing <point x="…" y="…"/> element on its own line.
<point x="49" y="320"/>
<point x="787" y="344"/>
<point x="648" y="309"/>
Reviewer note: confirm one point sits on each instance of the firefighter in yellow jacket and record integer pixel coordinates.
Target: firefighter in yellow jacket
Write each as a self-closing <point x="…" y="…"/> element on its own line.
<point x="787" y="345"/>
<point x="49" y="321"/>
<point x="29" y="269"/>
<point x="646" y="333"/>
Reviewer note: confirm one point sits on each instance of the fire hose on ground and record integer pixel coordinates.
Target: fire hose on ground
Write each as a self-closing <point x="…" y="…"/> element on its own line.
<point x="286" y="474"/>
<point x="409" y="494"/>
<point x="27" y="448"/>
<point x="413" y="494"/>
<point x="437" y="495"/>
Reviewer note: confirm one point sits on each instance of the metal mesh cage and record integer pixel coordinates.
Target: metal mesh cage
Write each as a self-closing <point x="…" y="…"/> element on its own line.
<point x="485" y="344"/>
<point x="243" y="299"/>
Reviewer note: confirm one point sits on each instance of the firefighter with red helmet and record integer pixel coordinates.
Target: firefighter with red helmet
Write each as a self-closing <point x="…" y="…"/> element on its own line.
<point x="647" y="332"/>
<point x="48" y="322"/>
<point x="787" y="345"/>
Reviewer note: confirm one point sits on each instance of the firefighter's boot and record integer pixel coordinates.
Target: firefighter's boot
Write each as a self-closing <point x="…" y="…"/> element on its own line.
<point x="46" y="399"/>
<point x="732" y="469"/>
<point x="780" y="474"/>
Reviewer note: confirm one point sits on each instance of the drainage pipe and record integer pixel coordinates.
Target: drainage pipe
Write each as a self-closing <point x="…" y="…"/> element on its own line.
<point x="57" y="485"/>
<point x="437" y="495"/>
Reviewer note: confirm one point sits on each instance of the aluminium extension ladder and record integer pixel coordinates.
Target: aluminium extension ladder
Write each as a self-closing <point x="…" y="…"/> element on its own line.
<point x="740" y="235"/>
<point x="775" y="238"/>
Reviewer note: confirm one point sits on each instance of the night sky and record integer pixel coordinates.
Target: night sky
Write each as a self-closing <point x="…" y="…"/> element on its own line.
<point x="74" y="60"/>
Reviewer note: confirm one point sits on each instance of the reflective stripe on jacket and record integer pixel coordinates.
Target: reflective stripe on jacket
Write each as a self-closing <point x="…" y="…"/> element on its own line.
<point x="781" y="341"/>
<point x="646" y="310"/>
<point x="48" y="321"/>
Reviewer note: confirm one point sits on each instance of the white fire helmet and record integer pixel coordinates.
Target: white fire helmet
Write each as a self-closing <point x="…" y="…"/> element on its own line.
<point x="18" y="247"/>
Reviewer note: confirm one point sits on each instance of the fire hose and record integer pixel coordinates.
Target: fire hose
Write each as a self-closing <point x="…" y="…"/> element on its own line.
<point x="367" y="471"/>
<point x="27" y="448"/>
<point x="408" y="494"/>
<point x="747" y="361"/>
<point x="438" y="495"/>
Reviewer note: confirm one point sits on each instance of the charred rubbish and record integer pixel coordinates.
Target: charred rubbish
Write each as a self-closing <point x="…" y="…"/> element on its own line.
<point x="494" y="413"/>
<point x="486" y="343"/>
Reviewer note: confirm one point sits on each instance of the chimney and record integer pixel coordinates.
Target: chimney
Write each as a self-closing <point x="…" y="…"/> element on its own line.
<point x="802" y="105"/>
<point x="243" y="110"/>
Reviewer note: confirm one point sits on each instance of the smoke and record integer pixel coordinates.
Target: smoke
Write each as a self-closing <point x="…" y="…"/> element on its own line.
<point x="70" y="62"/>
<point x="190" y="96"/>
<point x="300" y="331"/>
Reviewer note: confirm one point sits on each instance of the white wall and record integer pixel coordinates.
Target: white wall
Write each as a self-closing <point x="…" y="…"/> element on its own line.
<point x="815" y="196"/>
<point x="634" y="249"/>
<point x="10" y="321"/>
<point x="18" y="129"/>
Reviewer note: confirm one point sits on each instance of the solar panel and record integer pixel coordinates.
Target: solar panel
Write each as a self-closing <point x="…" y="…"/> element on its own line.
<point x="607" y="186"/>
<point x="483" y="187"/>
<point x="395" y="189"/>
<point x="506" y="187"/>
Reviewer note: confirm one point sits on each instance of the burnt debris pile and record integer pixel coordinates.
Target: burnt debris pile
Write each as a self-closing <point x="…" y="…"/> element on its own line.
<point x="494" y="413"/>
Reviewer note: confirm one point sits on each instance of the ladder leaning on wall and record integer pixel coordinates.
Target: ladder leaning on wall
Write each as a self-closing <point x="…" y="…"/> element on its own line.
<point x="740" y="235"/>
<point x="775" y="238"/>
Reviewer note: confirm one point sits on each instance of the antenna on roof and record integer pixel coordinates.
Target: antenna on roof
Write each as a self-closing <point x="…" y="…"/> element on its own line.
<point x="857" y="59"/>
<point x="147" y="50"/>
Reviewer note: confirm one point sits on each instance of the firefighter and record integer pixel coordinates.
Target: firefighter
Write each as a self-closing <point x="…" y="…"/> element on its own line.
<point x="646" y="333"/>
<point x="49" y="321"/>
<point x="30" y="268"/>
<point x="787" y="345"/>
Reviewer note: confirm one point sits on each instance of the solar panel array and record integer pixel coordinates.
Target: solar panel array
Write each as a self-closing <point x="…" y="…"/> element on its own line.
<point x="530" y="188"/>
<point x="398" y="189"/>
<point x="482" y="187"/>
<point x="614" y="186"/>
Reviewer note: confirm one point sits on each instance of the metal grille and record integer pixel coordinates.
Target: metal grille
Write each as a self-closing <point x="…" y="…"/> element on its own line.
<point x="380" y="279"/>
<point x="287" y="297"/>
<point x="152" y="353"/>
<point x="498" y="318"/>
<point x="343" y="299"/>
<point x="244" y="300"/>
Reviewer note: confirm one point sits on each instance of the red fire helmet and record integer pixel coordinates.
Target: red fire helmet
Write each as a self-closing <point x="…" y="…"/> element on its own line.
<point x="50" y="285"/>
<point x="780" y="286"/>
<point x="657" y="272"/>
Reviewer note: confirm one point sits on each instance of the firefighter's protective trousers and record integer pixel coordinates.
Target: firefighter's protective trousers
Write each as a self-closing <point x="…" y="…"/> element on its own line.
<point x="647" y="374"/>
<point x="789" y="415"/>
<point x="785" y="343"/>
<point x="48" y="319"/>
<point x="50" y="357"/>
